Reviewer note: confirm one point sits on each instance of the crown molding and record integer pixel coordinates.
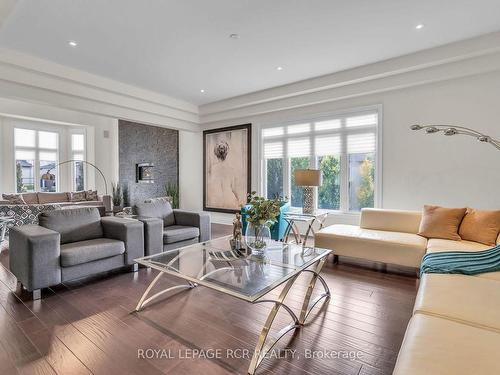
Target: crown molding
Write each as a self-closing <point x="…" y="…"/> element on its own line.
<point x="41" y="81"/>
<point x="472" y="56"/>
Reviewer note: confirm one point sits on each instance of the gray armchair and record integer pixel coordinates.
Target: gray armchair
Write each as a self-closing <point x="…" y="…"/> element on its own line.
<point x="70" y="244"/>
<point x="166" y="228"/>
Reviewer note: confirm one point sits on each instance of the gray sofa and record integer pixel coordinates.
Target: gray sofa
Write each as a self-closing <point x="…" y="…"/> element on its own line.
<point x="166" y="228"/>
<point x="70" y="244"/>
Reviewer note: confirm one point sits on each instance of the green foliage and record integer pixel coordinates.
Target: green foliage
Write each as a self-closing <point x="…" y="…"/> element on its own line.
<point x="329" y="191"/>
<point x="365" y="193"/>
<point x="117" y="196"/>
<point x="297" y="191"/>
<point x="19" y="178"/>
<point x="262" y="211"/>
<point x="172" y="190"/>
<point x="126" y="196"/>
<point x="274" y="177"/>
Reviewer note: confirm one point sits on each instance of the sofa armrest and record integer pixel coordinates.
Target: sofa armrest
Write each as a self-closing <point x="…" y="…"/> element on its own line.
<point x="106" y="201"/>
<point x="34" y="253"/>
<point x="153" y="235"/>
<point x="201" y="220"/>
<point x="129" y="231"/>
<point x="390" y="220"/>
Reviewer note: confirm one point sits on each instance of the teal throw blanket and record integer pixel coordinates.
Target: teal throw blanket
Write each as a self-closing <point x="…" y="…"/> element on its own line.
<point x="462" y="262"/>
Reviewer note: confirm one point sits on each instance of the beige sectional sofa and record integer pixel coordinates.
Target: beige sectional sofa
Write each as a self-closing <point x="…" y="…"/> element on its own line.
<point x="455" y="327"/>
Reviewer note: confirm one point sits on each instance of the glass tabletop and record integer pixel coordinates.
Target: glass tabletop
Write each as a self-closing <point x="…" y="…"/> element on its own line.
<point x="214" y="265"/>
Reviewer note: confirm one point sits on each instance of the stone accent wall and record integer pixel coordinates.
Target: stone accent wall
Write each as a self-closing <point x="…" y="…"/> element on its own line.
<point x="140" y="143"/>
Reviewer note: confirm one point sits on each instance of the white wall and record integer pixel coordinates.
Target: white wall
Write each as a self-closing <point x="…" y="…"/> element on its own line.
<point x="191" y="170"/>
<point x="422" y="169"/>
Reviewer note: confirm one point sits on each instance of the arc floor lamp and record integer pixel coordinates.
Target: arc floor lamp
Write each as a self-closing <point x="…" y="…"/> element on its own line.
<point x="47" y="175"/>
<point x="450" y="130"/>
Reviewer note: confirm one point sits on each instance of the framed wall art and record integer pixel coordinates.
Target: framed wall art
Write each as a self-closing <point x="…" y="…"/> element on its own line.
<point x="226" y="168"/>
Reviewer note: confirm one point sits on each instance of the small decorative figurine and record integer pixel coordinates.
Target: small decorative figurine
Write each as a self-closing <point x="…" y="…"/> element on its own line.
<point x="236" y="240"/>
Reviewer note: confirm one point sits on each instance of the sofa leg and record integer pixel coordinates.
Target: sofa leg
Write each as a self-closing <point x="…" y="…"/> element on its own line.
<point x="37" y="294"/>
<point x="335" y="259"/>
<point x="135" y="267"/>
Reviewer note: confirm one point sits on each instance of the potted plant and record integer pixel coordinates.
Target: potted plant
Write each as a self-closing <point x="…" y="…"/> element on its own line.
<point x="261" y="214"/>
<point x="117" y="197"/>
<point x="172" y="191"/>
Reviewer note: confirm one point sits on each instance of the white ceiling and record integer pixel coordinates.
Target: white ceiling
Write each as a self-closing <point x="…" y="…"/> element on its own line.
<point x="178" y="47"/>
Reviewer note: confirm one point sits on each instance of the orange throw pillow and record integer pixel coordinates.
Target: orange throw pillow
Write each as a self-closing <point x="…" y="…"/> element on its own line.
<point x="440" y="222"/>
<point x="480" y="226"/>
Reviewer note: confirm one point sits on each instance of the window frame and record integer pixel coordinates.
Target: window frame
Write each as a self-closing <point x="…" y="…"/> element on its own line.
<point x="64" y="151"/>
<point x="343" y="132"/>
<point x="38" y="150"/>
<point x="72" y="156"/>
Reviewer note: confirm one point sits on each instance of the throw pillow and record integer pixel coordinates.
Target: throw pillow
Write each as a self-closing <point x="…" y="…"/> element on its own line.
<point x="440" y="222"/>
<point x="78" y="196"/>
<point x="91" y="195"/>
<point x="480" y="226"/>
<point x="14" y="198"/>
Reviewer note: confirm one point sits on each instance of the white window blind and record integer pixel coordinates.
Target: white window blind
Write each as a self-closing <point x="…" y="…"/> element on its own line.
<point x="328" y="145"/>
<point x="273" y="150"/>
<point x="360" y="143"/>
<point x="299" y="147"/>
<point x="364" y="120"/>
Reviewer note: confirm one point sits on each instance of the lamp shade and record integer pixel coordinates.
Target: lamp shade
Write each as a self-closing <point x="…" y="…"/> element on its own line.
<point x="308" y="177"/>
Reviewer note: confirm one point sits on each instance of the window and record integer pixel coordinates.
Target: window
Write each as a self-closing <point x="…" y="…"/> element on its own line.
<point x="78" y="154"/>
<point x="36" y="155"/>
<point x="343" y="147"/>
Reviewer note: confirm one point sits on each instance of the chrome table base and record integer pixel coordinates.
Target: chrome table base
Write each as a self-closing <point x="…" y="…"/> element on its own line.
<point x="265" y="343"/>
<point x="262" y="348"/>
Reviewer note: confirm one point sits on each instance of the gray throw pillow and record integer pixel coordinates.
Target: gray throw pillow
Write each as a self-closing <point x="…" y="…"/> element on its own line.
<point x="91" y="195"/>
<point x="78" y="196"/>
<point x="14" y="198"/>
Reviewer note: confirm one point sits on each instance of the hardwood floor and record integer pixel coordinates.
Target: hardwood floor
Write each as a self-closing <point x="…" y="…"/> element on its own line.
<point x="87" y="327"/>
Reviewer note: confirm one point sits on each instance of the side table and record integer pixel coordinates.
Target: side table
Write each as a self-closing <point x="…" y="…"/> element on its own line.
<point x="294" y="217"/>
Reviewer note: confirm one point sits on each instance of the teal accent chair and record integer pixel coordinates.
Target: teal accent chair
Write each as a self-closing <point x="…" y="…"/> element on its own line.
<point x="277" y="229"/>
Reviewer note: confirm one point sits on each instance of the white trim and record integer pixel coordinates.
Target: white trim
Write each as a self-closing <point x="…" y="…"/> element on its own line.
<point x="34" y="79"/>
<point x="455" y="60"/>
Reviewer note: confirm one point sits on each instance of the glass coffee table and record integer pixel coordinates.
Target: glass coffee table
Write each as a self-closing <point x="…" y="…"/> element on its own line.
<point x="214" y="265"/>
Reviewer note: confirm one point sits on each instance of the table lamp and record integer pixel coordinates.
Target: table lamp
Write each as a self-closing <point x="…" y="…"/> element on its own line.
<point x="308" y="178"/>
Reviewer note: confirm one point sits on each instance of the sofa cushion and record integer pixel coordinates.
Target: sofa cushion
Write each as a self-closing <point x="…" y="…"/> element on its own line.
<point x="441" y="222"/>
<point x="91" y="195"/>
<point x="30" y="198"/>
<point x="159" y="209"/>
<point x="437" y="245"/>
<point x="86" y="251"/>
<point x="75" y="224"/>
<point x="77" y="196"/>
<point x="434" y="345"/>
<point x="390" y="220"/>
<point x="176" y="233"/>
<point x="14" y="198"/>
<point x="400" y="248"/>
<point x="469" y="300"/>
<point x="52" y="197"/>
<point x="480" y="226"/>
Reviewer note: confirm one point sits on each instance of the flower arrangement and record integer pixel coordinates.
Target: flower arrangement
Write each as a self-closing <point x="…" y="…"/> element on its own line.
<point x="261" y="215"/>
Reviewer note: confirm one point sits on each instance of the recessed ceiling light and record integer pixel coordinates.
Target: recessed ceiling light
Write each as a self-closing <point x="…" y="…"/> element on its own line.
<point x="202" y="91"/>
<point x="234" y="36"/>
<point x="72" y="43"/>
<point x="279" y="68"/>
<point x="419" y="26"/>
